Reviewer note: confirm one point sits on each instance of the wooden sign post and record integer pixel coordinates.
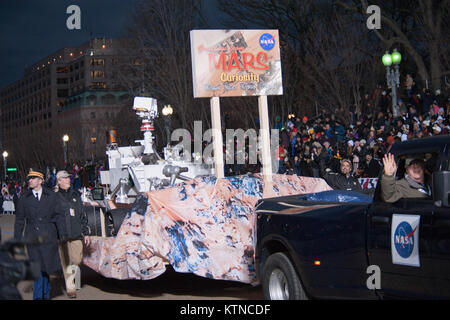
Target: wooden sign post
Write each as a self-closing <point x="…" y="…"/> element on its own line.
<point x="264" y="130"/>
<point x="217" y="137"/>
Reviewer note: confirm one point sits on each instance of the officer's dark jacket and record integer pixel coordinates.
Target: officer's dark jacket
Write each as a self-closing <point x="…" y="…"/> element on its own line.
<point x="75" y="217"/>
<point x="42" y="217"/>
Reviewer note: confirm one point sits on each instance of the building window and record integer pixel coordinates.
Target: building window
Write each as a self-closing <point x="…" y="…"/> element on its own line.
<point x="123" y="98"/>
<point x="97" y="74"/>
<point x="136" y="62"/>
<point x="97" y="62"/>
<point x="109" y="99"/>
<point x="62" y="70"/>
<point x="92" y="115"/>
<point x="98" y="85"/>
<point x="61" y="93"/>
<point x="91" y="100"/>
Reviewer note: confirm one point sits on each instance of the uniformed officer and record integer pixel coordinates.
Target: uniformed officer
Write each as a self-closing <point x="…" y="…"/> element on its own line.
<point x="71" y="252"/>
<point x="39" y="215"/>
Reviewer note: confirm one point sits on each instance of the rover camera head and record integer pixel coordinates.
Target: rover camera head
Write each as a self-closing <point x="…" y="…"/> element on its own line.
<point x="146" y="105"/>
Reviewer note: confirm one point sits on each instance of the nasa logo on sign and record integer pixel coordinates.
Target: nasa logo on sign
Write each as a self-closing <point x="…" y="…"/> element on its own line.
<point x="405" y="240"/>
<point x="267" y="41"/>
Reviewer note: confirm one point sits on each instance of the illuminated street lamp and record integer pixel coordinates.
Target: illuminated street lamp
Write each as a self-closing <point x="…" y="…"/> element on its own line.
<point x="167" y="113"/>
<point x="65" y="143"/>
<point x="5" y="155"/>
<point x="393" y="76"/>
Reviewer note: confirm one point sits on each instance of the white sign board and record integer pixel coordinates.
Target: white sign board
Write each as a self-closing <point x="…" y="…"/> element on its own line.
<point x="231" y="63"/>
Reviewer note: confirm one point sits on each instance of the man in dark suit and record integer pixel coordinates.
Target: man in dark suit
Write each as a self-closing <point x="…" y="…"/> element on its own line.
<point x="39" y="215"/>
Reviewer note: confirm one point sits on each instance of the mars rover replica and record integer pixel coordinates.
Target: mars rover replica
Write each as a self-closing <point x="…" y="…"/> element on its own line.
<point x="139" y="169"/>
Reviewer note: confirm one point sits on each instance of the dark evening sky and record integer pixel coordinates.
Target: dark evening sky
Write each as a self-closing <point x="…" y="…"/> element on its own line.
<point x="32" y="29"/>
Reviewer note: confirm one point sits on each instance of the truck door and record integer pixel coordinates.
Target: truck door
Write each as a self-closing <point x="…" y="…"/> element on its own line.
<point x="401" y="234"/>
<point x="441" y="243"/>
<point x="399" y="243"/>
<point x="441" y="250"/>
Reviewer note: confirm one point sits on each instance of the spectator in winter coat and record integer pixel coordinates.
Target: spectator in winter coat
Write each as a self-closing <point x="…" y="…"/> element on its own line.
<point x="282" y="153"/>
<point x="371" y="167"/>
<point x="278" y="123"/>
<point x="329" y="131"/>
<point x="340" y="132"/>
<point x="411" y="186"/>
<point x="434" y="108"/>
<point x="342" y="180"/>
<point x="71" y="251"/>
<point x="409" y="83"/>
<point x="284" y="139"/>
<point x="296" y="166"/>
<point x="427" y="101"/>
<point x="293" y="142"/>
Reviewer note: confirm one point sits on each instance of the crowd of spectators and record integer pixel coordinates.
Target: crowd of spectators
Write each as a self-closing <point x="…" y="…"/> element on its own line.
<point x="363" y="135"/>
<point x="306" y="144"/>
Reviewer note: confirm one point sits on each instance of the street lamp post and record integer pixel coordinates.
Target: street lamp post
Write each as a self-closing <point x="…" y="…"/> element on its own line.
<point x="393" y="76"/>
<point x="167" y="113"/>
<point x="65" y="142"/>
<point x="5" y="155"/>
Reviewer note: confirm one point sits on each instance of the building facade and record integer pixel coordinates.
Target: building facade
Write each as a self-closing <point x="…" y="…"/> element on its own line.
<point x="73" y="92"/>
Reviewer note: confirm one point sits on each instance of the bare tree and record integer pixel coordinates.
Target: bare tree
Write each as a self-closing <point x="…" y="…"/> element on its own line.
<point x="36" y="150"/>
<point x="159" y="63"/>
<point x="420" y="26"/>
<point x="336" y="65"/>
<point x="292" y="19"/>
<point x="320" y="68"/>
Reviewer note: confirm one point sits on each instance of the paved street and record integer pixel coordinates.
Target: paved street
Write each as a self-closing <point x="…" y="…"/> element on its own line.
<point x="169" y="286"/>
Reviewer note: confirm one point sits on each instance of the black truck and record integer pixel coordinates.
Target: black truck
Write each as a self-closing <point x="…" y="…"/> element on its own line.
<point x="346" y="245"/>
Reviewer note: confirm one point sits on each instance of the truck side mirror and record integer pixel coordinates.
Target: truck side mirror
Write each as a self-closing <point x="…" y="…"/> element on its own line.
<point x="97" y="194"/>
<point x="441" y="188"/>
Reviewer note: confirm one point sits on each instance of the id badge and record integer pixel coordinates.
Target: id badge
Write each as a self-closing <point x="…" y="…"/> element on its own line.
<point x="72" y="212"/>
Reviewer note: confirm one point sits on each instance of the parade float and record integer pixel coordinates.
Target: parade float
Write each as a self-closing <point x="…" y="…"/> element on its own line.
<point x="199" y="221"/>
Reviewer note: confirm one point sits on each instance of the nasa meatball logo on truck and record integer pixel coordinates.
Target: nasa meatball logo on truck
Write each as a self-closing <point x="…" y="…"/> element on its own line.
<point x="405" y="240"/>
